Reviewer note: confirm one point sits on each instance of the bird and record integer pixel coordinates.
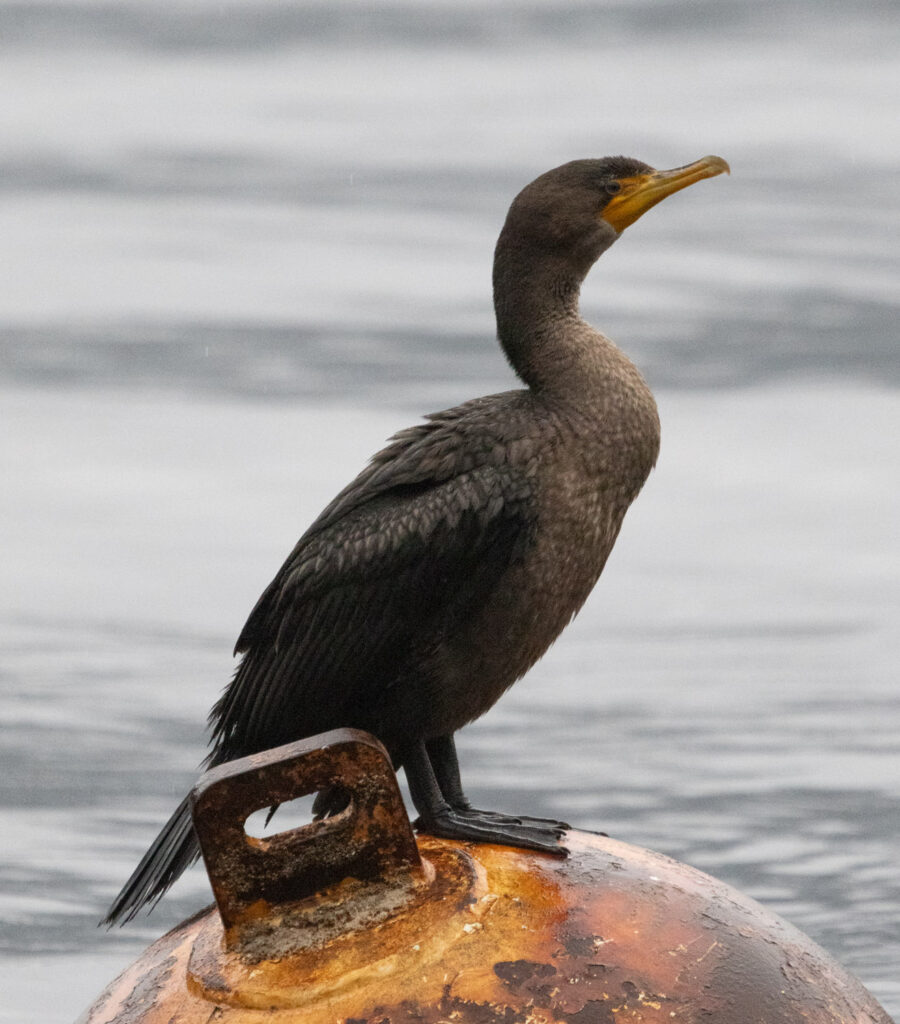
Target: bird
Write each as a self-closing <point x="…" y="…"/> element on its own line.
<point x="449" y="565"/>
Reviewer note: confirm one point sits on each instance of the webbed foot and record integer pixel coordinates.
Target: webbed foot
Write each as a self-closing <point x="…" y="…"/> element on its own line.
<point x="511" y="819"/>
<point x="482" y="827"/>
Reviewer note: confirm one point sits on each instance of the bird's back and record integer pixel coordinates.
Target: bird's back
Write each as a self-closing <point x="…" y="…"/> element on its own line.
<point x="355" y="621"/>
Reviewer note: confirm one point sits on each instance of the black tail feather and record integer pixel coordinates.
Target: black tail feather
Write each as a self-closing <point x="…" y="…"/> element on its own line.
<point x="172" y="852"/>
<point x="329" y="802"/>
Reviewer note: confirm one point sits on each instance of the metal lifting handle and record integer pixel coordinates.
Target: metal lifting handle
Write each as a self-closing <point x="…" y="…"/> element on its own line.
<point x="371" y="839"/>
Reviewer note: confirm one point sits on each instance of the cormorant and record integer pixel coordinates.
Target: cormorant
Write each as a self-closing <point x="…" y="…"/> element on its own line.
<point x="442" y="573"/>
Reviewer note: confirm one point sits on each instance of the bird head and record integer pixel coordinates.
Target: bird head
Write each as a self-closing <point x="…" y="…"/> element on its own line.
<point x="582" y="207"/>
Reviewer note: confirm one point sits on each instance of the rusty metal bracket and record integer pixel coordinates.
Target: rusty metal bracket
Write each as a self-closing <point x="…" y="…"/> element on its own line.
<point x="251" y="877"/>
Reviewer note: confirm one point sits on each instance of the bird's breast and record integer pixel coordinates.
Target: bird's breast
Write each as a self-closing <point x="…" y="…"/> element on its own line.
<point x="581" y="469"/>
<point x="577" y="514"/>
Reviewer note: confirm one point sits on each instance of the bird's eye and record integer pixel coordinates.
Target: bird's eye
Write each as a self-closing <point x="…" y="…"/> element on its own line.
<point x="613" y="188"/>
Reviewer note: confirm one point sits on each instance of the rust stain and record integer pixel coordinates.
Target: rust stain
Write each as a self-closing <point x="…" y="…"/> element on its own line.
<point x="372" y="838"/>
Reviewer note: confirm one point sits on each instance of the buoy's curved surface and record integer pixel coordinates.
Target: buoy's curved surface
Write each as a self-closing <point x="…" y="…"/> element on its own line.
<point x="613" y="933"/>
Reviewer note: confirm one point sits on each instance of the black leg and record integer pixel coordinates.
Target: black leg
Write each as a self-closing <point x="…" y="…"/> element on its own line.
<point x="423" y="785"/>
<point x="442" y="752"/>
<point x="437" y="816"/>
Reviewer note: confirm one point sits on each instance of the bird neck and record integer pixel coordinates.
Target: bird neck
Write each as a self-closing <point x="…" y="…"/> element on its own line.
<point x="539" y="326"/>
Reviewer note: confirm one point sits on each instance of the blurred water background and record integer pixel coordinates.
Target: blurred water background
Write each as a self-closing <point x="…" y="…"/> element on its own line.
<point x="242" y="242"/>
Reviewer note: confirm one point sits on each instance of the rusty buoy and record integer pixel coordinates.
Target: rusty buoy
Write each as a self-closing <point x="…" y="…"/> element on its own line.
<point x="353" y="920"/>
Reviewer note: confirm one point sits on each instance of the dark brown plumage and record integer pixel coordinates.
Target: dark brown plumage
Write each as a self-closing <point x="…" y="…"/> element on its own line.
<point x="440" y="575"/>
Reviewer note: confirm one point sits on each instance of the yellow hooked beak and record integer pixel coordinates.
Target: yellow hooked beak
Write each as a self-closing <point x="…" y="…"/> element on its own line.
<point x="642" y="191"/>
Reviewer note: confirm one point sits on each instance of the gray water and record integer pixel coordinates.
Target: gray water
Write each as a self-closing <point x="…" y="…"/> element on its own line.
<point x="243" y="242"/>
